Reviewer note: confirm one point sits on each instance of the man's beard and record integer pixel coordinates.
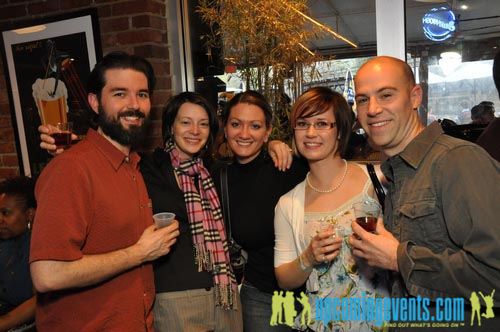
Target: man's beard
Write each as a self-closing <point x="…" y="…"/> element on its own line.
<point x="134" y="136"/>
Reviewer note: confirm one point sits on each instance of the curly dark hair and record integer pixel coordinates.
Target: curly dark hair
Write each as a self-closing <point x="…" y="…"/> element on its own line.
<point x="21" y="187"/>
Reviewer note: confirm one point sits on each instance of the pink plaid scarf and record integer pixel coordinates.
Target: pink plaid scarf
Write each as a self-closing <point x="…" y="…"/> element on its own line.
<point x="206" y="224"/>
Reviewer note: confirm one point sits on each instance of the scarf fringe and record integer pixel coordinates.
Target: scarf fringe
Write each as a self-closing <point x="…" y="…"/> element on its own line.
<point x="225" y="294"/>
<point x="203" y="258"/>
<point x="225" y="297"/>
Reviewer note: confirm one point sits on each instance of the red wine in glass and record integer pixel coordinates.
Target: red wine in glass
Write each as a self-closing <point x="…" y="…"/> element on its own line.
<point x="62" y="139"/>
<point x="368" y="223"/>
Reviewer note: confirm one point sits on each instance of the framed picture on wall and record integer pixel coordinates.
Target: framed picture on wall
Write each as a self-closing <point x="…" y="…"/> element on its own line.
<point x="46" y="64"/>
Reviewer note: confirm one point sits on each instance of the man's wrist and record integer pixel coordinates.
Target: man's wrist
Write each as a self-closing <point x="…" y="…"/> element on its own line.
<point x="134" y="255"/>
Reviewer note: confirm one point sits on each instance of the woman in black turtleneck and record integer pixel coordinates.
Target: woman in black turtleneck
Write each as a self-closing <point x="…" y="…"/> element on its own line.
<point x="254" y="187"/>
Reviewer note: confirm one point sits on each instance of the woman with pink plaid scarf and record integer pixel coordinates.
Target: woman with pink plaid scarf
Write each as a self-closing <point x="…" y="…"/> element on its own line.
<point x="195" y="286"/>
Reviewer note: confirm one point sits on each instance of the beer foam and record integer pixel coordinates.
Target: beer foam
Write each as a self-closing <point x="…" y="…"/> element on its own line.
<point x="42" y="88"/>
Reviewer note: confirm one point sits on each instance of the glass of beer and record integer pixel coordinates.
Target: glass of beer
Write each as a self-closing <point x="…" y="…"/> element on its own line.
<point x="367" y="213"/>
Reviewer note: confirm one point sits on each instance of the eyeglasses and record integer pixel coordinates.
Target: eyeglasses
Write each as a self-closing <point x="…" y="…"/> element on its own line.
<point x="319" y="125"/>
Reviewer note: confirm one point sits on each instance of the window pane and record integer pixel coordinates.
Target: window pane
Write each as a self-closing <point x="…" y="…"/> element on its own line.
<point x="456" y="70"/>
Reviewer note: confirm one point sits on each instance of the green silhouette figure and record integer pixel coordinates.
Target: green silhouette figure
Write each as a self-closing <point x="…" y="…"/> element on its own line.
<point x="289" y="307"/>
<point x="488" y="300"/>
<point x="277" y="308"/>
<point x="306" y="309"/>
<point x="476" y="308"/>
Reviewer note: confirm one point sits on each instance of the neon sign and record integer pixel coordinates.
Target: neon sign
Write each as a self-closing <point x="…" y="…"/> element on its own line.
<point x="439" y="24"/>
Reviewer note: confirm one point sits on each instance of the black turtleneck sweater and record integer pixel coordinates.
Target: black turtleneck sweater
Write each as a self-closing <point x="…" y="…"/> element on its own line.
<point x="254" y="190"/>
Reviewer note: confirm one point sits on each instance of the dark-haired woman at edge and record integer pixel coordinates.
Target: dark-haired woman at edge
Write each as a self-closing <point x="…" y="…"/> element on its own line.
<point x="17" y="210"/>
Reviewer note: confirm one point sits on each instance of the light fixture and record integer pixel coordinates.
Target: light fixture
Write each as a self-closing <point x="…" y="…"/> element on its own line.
<point x="464" y="7"/>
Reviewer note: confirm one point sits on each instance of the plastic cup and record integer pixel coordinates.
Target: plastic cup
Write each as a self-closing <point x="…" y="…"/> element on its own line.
<point x="163" y="219"/>
<point x="367" y="213"/>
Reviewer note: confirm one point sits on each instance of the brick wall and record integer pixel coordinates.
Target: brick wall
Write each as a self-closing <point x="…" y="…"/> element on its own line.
<point x="134" y="26"/>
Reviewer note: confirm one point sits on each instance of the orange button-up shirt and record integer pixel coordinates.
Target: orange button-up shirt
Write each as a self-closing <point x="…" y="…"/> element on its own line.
<point x="92" y="200"/>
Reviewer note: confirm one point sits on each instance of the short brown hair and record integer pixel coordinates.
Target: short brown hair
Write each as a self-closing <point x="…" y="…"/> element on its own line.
<point x="319" y="100"/>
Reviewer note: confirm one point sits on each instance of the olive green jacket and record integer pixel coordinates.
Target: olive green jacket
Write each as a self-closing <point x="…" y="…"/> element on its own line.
<point x="443" y="205"/>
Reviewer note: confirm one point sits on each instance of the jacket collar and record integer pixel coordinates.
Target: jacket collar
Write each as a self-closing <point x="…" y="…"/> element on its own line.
<point x="416" y="151"/>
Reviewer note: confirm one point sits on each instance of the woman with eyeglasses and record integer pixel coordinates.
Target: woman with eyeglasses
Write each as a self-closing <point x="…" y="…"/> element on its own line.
<point x="313" y="220"/>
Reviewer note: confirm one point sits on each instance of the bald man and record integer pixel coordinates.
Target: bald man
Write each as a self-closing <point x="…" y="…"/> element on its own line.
<point x="443" y="200"/>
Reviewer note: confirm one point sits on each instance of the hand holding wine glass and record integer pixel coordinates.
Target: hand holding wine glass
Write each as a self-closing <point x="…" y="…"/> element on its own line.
<point x="325" y="245"/>
<point x="367" y="212"/>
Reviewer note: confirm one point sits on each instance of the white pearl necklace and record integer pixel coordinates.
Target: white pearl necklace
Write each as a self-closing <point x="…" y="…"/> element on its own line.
<point x="331" y="189"/>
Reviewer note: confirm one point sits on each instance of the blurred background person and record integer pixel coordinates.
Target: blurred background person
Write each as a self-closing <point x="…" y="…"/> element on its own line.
<point x="483" y="113"/>
<point x="489" y="139"/>
<point x="17" y="210"/>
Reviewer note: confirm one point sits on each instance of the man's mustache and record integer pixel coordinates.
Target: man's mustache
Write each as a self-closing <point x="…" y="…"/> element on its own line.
<point x="135" y="113"/>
